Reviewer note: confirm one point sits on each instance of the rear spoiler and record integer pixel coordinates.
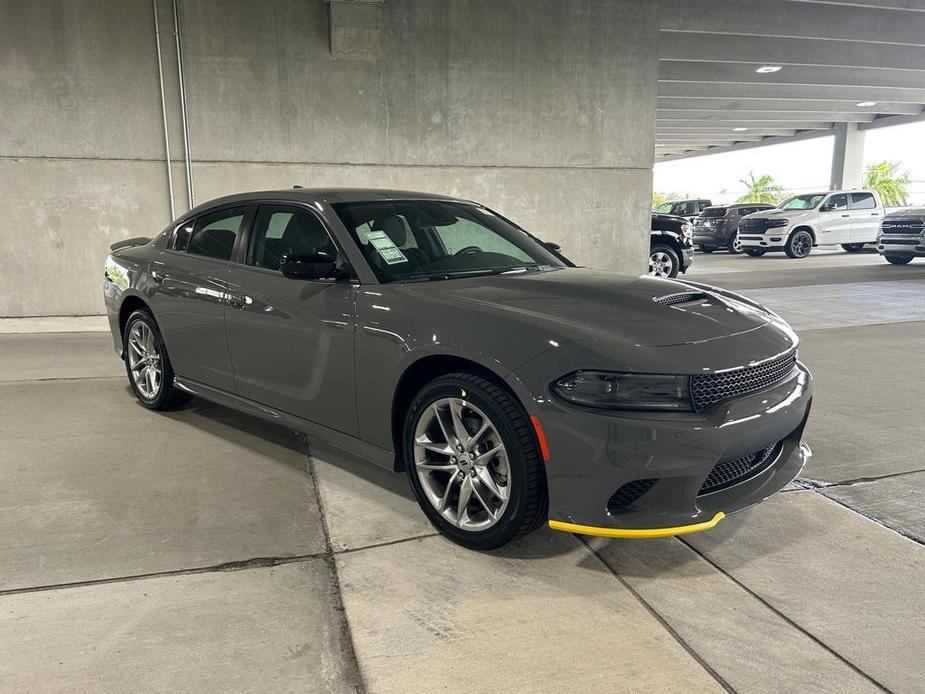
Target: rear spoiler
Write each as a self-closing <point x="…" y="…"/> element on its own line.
<point x="128" y="243"/>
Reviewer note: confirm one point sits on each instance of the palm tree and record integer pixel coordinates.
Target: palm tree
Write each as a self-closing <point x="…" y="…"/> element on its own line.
<point x="761" y="189"/>
<point x="885" y="179"/>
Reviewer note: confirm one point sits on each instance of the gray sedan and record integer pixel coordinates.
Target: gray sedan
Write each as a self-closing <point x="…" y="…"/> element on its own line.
<point x="433" y="336"/>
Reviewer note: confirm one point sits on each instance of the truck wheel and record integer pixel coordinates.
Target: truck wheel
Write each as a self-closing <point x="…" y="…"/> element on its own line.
<point x="853" y="247"/>
<point x="898" y="259"/>
<point x="799" y="244"/>
<point x="707" y="249"/>
<point x="663" y="261"/>
<point x="755" y="252"/>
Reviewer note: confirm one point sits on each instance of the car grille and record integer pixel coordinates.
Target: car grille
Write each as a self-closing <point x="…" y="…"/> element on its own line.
<point x="729" y="472"/>
<point x="709" y="389"/>
<point x="629" y="493"/>
<point x="903" y="226"/>
<point x="900" y="242"/>
<point x="759" y="225"/>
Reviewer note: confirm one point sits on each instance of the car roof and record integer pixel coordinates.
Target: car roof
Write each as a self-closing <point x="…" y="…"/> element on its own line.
<point x="330" y="195"/>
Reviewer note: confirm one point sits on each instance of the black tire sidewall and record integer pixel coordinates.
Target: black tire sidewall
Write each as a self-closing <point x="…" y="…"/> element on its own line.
<point x="898" y="259"/>
<point x="520" y="456"/>
<point x="164" y="394"/>
<point x="755" y="252"/>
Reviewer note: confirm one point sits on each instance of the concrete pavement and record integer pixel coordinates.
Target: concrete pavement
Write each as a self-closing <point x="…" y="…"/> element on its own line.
<point x="206" y="551"/>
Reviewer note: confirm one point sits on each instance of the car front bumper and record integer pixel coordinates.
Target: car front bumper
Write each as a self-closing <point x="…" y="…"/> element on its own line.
<point x="901" y="245"/>
<point x="773" y="239"/>
<point x="593" y="454"/>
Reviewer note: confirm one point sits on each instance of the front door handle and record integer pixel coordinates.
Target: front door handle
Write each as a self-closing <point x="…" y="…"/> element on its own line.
<point x="846" y="215"/>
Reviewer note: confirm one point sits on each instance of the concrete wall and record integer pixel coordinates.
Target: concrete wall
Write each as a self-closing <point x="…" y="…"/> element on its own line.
<point x="543" y="109"/>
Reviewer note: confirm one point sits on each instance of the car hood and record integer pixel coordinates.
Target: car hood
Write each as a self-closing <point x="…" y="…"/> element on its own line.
<point x="583" y="305"/>
<point x="782" y="214"/>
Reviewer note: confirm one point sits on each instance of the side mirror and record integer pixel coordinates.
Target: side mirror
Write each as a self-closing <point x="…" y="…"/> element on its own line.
<point x="555" y="247"/>
<point x="827" y="207"/>
<point x="316" y="265"/>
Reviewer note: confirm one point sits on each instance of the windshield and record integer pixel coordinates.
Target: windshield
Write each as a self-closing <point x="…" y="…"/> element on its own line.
<point x="431" y="239"/>
<point x="664" y="208"/>
<point x="802" y="202"/>
<point x="714" y="212"/>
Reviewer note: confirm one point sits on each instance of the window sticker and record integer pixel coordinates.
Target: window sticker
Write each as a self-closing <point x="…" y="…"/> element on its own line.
<point x="389" y="251"/>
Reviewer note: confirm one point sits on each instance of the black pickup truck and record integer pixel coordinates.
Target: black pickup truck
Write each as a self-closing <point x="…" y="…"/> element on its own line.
<point x="671" y="245"/>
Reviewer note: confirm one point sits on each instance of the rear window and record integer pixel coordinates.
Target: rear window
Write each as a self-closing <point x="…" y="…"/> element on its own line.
<point x="714" y="212"/>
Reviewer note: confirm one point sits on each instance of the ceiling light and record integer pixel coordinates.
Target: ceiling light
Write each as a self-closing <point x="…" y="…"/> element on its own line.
<point x="766" y="69"/>
<point x="864" y="104"/>
<point x="739" y="130"/>
<point x="659" y="144"/>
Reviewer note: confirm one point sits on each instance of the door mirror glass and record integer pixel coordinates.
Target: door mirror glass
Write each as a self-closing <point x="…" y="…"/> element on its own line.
<point x="314" y="265"/>
<point x="828" y="207"/>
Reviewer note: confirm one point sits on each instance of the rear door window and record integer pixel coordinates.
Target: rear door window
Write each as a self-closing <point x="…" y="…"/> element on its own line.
<point x="212" y="235"/>
<point x="863" y="201"/>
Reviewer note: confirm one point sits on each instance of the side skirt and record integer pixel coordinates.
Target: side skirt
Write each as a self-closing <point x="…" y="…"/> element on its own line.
<point x="345" y="442"/>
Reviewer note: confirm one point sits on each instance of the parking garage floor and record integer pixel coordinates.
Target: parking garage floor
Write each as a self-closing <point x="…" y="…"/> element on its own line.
<point x="203" y="550"/>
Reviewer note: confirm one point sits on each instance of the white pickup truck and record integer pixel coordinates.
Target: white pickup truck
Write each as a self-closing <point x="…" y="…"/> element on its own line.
<point x="850" y="218"/>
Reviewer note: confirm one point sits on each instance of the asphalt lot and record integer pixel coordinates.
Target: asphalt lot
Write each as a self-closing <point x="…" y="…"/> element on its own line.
<point x="205" y="551"/>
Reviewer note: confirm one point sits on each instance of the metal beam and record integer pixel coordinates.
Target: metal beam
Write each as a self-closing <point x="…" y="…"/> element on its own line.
<point x="786" y="105"/>
<point x="816" y="92"/>
<point x="796" y="19"/>
<point x="726" y="48"/>
<point x="725" y="126"/>
<point x="890" y="121"/>
<point x="808" y="135"/>
<point x="743" y="73"/>
<point x="766" y="116"/>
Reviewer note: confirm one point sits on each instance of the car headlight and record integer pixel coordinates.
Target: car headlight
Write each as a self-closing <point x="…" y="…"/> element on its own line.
<point x="686" y="231"/>
<point x="777" y="223"/>
<point x="621" y="391"/>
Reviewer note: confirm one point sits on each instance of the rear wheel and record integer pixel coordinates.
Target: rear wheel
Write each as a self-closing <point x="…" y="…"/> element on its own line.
<point x="707" y="249"/>
<point x="898" y="259"/>
<point x="799" y="244"/>
<point x="473" y="462"/>
<point x="148" y="367"/>
<point x="853" y="247"/>
<point x="755" y="252"/>
<point x="734" y="246"/>
<point x="663" y="261"/>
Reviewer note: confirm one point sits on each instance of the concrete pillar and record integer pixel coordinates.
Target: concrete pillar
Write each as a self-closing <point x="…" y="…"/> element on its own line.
<point x="847" y="157"/>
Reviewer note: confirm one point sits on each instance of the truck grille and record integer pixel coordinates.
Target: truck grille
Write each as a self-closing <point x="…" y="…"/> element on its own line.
<point x="729" y="472"/>
<point x="709" y="389"/>
<point x="903" y="226"/>
<point x="753" y="226"/>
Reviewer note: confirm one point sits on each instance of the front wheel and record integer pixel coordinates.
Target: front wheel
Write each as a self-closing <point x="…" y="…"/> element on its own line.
<point x="755" y="252"/>
<point x="853" y="247"/>
<point x="474" y="462"/>
<point x="663" y="261"/>
<point x="707" y="249"/>
<point x="799" y="244"/>
<point x="898" y="259"/>
<point x="148" y="367"/>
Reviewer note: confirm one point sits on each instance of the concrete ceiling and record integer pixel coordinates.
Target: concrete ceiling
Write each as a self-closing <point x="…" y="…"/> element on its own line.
<point x="833" y="55"/>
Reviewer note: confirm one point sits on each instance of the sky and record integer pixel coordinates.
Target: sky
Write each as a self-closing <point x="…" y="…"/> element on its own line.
<point x="797" y="166"/>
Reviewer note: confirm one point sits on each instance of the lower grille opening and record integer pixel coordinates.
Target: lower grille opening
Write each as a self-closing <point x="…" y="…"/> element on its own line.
<point x="729" y="472"/>
<point x="628" y="494"/>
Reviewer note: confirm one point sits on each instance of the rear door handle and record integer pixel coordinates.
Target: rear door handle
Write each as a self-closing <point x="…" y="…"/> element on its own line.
<point x="846" y="215"/>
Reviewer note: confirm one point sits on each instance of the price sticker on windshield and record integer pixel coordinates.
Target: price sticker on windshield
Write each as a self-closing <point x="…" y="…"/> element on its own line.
<point x="389" y="252"/>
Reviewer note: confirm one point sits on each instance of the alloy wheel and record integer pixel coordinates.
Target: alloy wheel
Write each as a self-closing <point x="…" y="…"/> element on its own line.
<point x="660" y="264"/>
<point x="144" y="360"/>
<point x="802" y="243"/>
<point x="462" y="464"/>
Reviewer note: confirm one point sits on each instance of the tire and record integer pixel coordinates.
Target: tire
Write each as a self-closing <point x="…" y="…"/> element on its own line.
<point x="517" y="470"/>
<point x="145" y="353"/>
<point x="799" y="244"/>
<point x="853" y="247"/>
<point x="707" y="249"/>
<point x="663" y="261"/>
<point x="755" y="252"/>
<point x="734" y="247"/>
<point x="898" y="259"/>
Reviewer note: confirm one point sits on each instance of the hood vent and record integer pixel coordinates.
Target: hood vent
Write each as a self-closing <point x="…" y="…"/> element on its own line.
<point x="682" y="298"/>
